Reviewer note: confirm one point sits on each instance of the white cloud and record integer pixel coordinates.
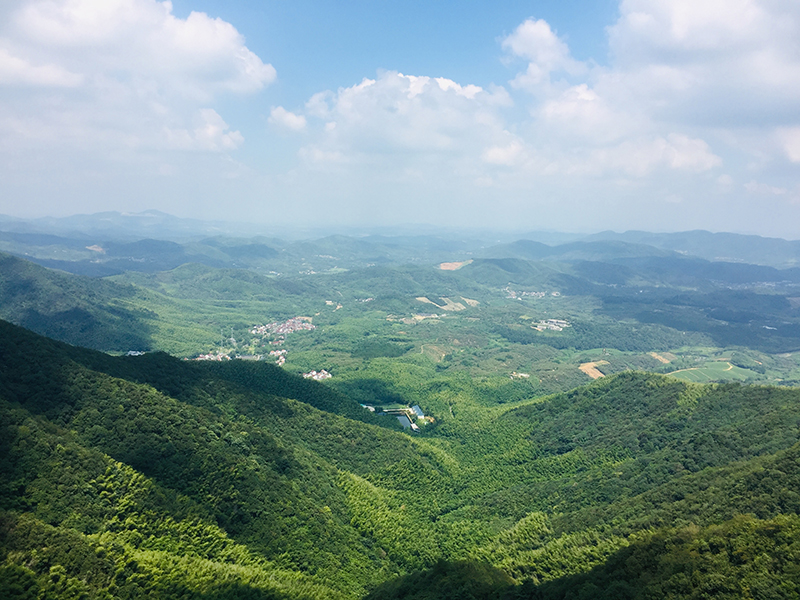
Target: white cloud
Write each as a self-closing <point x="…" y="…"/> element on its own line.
<point x="536" y="42"/>
<point x="284" y="118"/>
<point x="720" y="62"/>
<point x="580" y="115"/>
<point x="754" y="187"/>
<point x="210" y="133"/>
<point x="18" y="71"/>
<point x="318" y="105"/>
<point x="468" y="91"/>
<point x="197" y="56"/>
<point x="508" y="155"/>
<point x="641" y="157"/>
<point x="403" y="114"/>
<point x="121" y="74"/>
<point x="688" y="83"/>
<point x="789" y="138"/>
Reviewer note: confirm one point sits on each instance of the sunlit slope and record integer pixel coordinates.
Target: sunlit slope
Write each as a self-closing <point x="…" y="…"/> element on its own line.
<point x="637" y="470"/>
<point x="741" y="558"/>
<point x="287" y="476"/>
<point x="264" y="474"/>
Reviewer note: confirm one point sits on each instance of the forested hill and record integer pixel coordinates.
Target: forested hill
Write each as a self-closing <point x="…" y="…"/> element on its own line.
<point x="79" y="310"/>
<point x="146" y="476"/>
<point x="214" y="487"/>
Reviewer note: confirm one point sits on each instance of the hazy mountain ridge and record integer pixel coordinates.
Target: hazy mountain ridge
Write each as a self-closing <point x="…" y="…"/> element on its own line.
<point x="115" y="237"/>
<point x="721" y="246"/>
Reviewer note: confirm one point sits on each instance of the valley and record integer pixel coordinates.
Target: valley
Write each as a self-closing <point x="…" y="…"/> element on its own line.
<point x="237" y="429"/>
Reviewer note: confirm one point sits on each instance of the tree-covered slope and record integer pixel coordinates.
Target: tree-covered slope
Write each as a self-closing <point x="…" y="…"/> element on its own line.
<point x="75" y="309"/>
<point x="112" y="462"/>
<point x="744" y="558"/>
<point x="128" y="475"/>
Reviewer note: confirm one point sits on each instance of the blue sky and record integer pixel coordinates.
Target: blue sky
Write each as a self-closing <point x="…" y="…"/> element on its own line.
<point x="319" y="45"/>
<point x="576" y="116"/>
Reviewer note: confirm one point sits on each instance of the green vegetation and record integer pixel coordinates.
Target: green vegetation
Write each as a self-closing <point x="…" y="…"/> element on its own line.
<point x="617" y="297"/>
<point x="149" y="476"/>
<point x="675" y="474"/>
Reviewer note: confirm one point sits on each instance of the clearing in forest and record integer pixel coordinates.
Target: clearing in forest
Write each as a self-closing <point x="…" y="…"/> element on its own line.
<point x="712" y="371"/>
<point x="590" y="368"/>
<point x="448" y="304"/>
<point x="660" y="358"/>
<point x="453" y="266"/>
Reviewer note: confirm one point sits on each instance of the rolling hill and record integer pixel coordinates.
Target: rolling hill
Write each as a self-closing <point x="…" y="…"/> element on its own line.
<point x="141" y="476"/>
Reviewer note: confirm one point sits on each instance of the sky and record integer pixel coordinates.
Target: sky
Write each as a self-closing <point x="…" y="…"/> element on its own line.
<point x="577" y="115"/>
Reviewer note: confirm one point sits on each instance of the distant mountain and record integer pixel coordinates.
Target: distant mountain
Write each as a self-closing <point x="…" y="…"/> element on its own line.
<point x="525" y="249"/>
<point x="115" y="316"/>
<point x="499" y="272"/>
<point x="127" y="226"/>
<point x="729" y="247"/>
<point x="583" y="250"/>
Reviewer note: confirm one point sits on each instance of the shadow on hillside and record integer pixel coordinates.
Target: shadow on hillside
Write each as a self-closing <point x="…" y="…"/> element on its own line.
<point x="369" y="391"/>
<point x="119" y="331"/>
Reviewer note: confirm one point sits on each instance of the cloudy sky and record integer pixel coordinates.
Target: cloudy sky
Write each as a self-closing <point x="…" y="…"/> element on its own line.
<point x="570" y="115"/>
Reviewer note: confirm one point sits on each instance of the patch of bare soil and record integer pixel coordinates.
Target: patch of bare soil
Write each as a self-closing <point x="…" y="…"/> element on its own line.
<point x="591" y="369"/>
<point x="660" y="358"/>
<point x="453" y="266"/>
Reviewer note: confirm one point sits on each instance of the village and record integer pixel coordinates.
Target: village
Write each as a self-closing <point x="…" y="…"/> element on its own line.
<point x="514" y="295"/>
<point x="284" y="328"/>
<point x="280" y="330"/>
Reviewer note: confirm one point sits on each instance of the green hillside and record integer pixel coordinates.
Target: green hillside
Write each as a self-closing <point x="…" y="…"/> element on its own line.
<point x="148" y="476"/>
<point x="714" y="321"/>
<point x="226" y="474"/>
<point x="78" y="310"/>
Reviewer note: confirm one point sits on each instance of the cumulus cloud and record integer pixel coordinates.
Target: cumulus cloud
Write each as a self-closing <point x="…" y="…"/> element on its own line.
<point x="789" y="138"/>
<point x="508" y="155"/>
<point x="284" y="118"/>
<point x="210" y="133"/>
<point x="196" y="56"/>
<point x="405" y="114"/>
<point x="126" y="73"/>
<point x="675" y="152"/>
<point x="18" y="71"/>
<point x="755" y="187"/>
<point x="687" y="83"/>
<point x="715" y="62"/>
<point x="535" y="41"/>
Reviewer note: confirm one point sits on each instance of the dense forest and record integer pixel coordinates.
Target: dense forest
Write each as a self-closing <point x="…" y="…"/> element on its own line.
<point x="149" y="476"/>
<point x="612" y="417"/>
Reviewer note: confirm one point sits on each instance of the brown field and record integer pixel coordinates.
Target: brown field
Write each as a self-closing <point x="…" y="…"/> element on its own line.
<point x="661" y="358"/>
<point x="452" y="266"/>
<point x="448" y="304"/>
<point x="591" y="370"/>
